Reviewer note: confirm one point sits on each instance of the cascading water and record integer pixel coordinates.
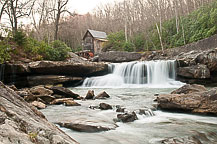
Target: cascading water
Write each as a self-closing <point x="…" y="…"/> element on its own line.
<point x="2" y="69"/>
<point x="159" y="73"/>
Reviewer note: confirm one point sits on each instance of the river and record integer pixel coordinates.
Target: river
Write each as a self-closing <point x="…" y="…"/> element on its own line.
<point x="133" y="86"/>
<point x="145" y="130"/>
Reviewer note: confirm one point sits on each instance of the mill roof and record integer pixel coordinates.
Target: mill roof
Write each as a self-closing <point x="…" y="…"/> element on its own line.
<point x="96" y="34"/>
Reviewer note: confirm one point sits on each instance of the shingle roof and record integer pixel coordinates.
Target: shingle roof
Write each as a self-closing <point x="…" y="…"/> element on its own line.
<point x="98" y="34"/>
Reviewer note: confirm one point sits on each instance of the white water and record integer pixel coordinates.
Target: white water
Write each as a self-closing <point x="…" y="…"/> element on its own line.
<point x="159" y="73"/>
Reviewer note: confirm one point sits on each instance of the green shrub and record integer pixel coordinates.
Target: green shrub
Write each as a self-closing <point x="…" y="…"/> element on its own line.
<point x="58" y="51"/>
<point x="20" y="38"/>
<point x="4" y="51"/>
<point x="128" y="46"/>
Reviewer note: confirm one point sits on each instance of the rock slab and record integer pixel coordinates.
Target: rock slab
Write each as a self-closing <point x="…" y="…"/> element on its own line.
<point x="203" y="101"/>
<point x="22" y="123"/>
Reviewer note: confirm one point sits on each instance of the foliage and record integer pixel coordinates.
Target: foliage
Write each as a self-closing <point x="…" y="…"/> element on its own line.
<point x="19" y="37"/>
<point x="4" y="51"/>
<point x="117" y="42"/>
<point x="56" y="51"/>
<point x="198" y="25"/>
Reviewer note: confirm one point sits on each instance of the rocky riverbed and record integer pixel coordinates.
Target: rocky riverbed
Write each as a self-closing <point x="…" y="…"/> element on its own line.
<point x="21" y="122"/>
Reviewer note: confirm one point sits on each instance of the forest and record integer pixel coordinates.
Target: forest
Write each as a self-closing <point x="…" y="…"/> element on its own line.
<point x="131" y="25"/>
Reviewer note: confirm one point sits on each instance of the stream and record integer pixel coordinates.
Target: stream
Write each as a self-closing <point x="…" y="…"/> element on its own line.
<point x="146" y="130"/>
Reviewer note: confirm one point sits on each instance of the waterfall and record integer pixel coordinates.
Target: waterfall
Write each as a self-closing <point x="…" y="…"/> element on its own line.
<point x="2" y="70"/>
<point x="159" y="73"/>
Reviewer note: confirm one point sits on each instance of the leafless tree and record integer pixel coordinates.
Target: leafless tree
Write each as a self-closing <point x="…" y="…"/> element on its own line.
<point x="17" y="9"/>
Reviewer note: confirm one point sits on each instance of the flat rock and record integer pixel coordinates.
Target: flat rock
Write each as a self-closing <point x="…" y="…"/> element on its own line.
<point x="65" y="101"/>
<point x="84" y="127"/>
<point x="23" y="123"/>
<point x="64" y="92"/>
<point x="203" y="102"/>
<point x="40" y="90"/>
<point x="186" y="89"/>
<point x="67" y="68"/>
<point x="39" y="105"/>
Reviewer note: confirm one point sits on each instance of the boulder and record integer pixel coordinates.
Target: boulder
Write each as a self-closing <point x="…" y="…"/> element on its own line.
<point x="51" y="80"/>
<point x="203" y="102"/>
<point x="65" y="101"/>
<point x="119" y="56"/>
<point x="120" y="109"/>
<point x="64" y="92"/>
<point x="104" y="106"/>
<point x="194" y="72"/>
<point x="23" y="93"/>
<point x="38" y="105"/>
<point x="90" y="94"/>
<point x="127" y="117"/>
<point x="47" y="99"/>
<point x="196" y="138"/>
<point x="186" y="89"/>
<point x="40" y="90"/>
<point x="84" y="127"/>
<point x="68" y="68"/>
<point x="208" y="58"/>
<point x="102" y="95"/>
<point x="23" y="123"/>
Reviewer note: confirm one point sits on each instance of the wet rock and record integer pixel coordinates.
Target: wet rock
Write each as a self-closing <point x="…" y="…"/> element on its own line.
<point x="65" y="92"/>
<point x="17" y="68"/>
<point x="90" y="94"/>
<point x="104" y="106"/>
<point x="195" y="71"/>
<point x="196" y="138"/>
<point x="120" y="109"/>
<point x="146" y="111"/>
<point x="94" y="107"/>
<point x="40" y="90"/>
<point x="84" y="127"/>
<point x="127" y="117"/>
<point x="65" y="101"/>
<point x="38" y="105"/>
<point x="47" y="99"/>
<point x="71" y="103"/>
<point x="22" y="123"/>
<point x="102" y="95"/>
<point x="203" y="102"/>
<point x="186" y="89"/>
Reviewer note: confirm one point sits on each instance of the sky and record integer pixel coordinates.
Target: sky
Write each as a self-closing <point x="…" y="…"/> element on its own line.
<point x="84" y="6"/>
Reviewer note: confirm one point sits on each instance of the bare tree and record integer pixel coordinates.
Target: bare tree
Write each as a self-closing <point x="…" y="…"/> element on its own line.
<point x="17" y="9"/>
<point x="3" y="6"/>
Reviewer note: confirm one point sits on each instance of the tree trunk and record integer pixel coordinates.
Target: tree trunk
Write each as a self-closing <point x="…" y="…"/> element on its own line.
<point x="161" y="43"/>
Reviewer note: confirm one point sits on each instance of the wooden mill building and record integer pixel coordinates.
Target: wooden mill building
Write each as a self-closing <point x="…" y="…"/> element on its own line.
<point x="93" y="41"/>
